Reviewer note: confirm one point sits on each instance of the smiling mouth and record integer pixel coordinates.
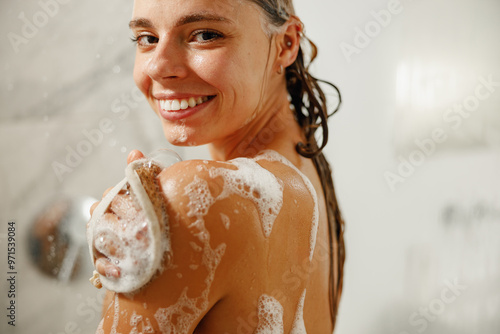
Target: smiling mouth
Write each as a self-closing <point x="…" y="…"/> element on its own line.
<point x="183" y="104"/>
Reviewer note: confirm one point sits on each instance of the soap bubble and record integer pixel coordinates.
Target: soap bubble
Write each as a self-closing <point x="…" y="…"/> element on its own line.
<point x="164" y="157"/>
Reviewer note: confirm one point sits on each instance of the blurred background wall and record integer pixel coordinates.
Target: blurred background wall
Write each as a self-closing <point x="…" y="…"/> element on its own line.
<point x="414" y="148"/>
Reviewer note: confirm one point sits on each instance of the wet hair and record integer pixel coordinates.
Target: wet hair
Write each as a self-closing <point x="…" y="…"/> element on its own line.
<point x="310" y="107"/>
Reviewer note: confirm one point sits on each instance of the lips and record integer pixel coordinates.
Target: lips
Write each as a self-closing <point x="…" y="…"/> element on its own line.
<point x="173" y="109"/>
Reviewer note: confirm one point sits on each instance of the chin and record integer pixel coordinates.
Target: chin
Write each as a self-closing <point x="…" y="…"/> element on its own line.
<point x="184" y="144"/>
<point x="178" y="136"/>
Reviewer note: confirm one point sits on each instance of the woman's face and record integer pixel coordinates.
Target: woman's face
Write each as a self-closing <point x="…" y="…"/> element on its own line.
<point x="202" y="65"/>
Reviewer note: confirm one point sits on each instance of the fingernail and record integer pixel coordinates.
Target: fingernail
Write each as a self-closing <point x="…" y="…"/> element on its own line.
<point x="112" y="272"/>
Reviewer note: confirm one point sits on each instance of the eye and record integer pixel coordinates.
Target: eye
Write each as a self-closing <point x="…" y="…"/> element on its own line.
<point x="145" y="40"/>
<point x="204" y="36"/>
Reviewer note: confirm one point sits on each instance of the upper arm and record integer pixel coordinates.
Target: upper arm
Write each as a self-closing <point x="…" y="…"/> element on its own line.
<point x="197" y="270"/>
<point x="231" y="226"/>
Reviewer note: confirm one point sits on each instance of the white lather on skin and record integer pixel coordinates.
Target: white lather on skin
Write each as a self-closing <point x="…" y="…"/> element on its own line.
<point x="250" y="181"/>
<point x="272" y="156"/>
<point x="100" y="328"/>
<point x="116" y="316"/>
<point x="180" y="132"/>
<point x="225" y="220"/>
<point x="175" y="319"/>
<point x="299" y="326"/>
<point x="140" y="325"/>
<point x="255" y="183"/>
<point x="270" y="313"/>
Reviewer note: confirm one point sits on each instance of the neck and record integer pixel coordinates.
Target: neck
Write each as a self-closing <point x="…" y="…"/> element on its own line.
<point x="272" y="129"/>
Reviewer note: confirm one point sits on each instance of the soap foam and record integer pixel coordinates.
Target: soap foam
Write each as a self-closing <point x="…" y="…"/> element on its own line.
<point x="200" y="198"/>
<point x="132" y="242"/>
<point x="180" y="317"/>
<point x="195" y="246"/>
<point x="270" y="313"/>
<point x="180" y="131"/>
<point x="250" y="181"/>
<point x="273" y="156"/>
<point x="137" y="321"/>
<point x="225" y="221"/>
<point x="299" y="326"/>
<point x="255" y="183"/>
<point x="100" y="328"/>
<point x="131" y="229"/>
<point x="116" y="316"/>
<point x="134" y="322"/>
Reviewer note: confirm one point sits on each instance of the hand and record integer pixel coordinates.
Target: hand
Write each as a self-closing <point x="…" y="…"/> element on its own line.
<point x="108" y="244"/>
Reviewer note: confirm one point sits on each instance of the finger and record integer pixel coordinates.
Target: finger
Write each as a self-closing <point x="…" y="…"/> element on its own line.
<point x="124" y="207"/>
<point x="92" y="208"/>
<point x="107" y="191"/>
<point x="106" y="268"/>
<point x="142" y="234"/>
<point x="134" y="155"/>
<point x="109" y="244"/>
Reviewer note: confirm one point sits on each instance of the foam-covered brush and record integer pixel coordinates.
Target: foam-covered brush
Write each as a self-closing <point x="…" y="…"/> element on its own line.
<point x="130" y="226"/>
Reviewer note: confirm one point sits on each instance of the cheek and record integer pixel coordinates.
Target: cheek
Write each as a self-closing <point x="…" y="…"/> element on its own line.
<point x="213" y="68"/>
<point x="230" y="74"/>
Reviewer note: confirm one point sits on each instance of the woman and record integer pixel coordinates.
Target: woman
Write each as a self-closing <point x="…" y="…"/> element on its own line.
<point x="256" y="235"/>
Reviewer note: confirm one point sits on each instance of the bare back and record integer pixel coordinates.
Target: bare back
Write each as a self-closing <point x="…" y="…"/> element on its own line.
<point x="250" y="253"/>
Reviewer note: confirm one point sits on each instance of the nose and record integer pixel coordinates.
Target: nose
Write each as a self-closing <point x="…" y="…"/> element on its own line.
<point x="168" y="61"/>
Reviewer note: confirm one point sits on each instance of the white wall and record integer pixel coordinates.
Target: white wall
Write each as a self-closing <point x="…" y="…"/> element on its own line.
<point x="398" y="251"/>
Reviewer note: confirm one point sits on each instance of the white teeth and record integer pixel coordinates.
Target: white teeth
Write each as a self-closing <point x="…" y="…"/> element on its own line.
<point x="184" y="104"/>
<point x="165" y="104"/>
<point x="192" y="102"/>
<point x="174" y="105"/>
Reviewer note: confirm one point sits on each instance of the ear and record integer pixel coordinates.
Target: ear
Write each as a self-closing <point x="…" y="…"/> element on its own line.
<point x="288" y="43"/>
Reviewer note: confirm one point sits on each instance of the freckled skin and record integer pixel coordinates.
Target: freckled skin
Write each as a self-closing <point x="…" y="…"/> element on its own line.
<point x="251" y="100"/>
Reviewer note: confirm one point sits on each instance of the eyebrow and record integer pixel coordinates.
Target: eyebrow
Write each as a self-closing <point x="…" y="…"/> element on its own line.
<point x="140" y="23"/>
<point x="191" y="18"/>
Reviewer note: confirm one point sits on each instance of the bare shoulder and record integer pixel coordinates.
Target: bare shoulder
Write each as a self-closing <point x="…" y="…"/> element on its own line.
<point x="226" y="219"/>
<point x="253" y="172"/>
<point x="260" y="213"/>
<point x="238" y="203"/>
<point x="251" y="207"/>
<point x="209" y="191"/>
